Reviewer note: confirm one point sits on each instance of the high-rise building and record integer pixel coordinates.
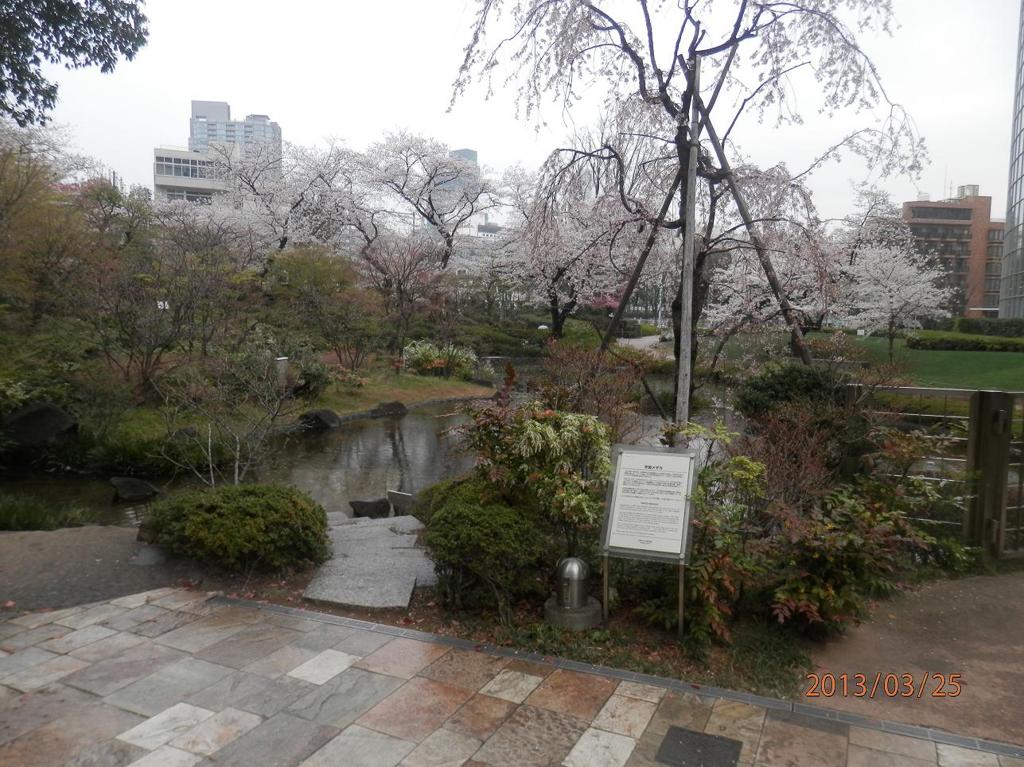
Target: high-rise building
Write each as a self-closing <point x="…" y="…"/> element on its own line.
<point x="962" y="232"/>
<point x="211" y="123"/>
<point x="469" y="155"/>
<point x="192" y="174"/>
<point x="1011" y="290"/>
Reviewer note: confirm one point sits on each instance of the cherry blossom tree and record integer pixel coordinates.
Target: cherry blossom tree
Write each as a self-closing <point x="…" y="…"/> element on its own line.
<point x="894" y="288"/>
<point x="308" y="196"/>
<point x="422" y="178"/>
<point x="403" y="271"/>
<point x="569" y="238"/>
<point x="735" y="295"/>
<point x="639" y="59"/>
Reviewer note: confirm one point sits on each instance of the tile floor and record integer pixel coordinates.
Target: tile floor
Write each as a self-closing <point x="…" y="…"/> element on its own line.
<point x="176" y="678"/>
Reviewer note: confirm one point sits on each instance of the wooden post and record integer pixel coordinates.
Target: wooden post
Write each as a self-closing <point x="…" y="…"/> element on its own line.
<point x="988" y="457"/>
<point x="762" y="252"/>
<point x="682" y="598"/>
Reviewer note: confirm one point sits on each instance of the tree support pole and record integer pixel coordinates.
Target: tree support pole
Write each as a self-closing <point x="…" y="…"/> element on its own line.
<point x="609" y="334"/>
<point x="684" y="373"/>
<point x="762" y="252"/>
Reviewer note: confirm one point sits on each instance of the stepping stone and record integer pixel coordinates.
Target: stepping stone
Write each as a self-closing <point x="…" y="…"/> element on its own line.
<point x="375" y="564"/>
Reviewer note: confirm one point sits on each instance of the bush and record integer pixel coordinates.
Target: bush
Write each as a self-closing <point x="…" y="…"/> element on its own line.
<point x="241" y="527"/>
<point x="502" y="339"/>
<point x="780" y="384"/>
<point x="559" y="462"/>
<point x="990" y="326"/>
<point x="481" y="544"/>
<point x="448" y="360"/>
<point x="313" y="377"/>
<point x="431" y="499"/>
<point x="830" y="562"/>
<point x="578" y="379"/>
<point x="807" y="552"/>
<point x="936" y="340"/>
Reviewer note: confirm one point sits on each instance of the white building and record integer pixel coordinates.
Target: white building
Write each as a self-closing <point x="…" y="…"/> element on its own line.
<point x="192" y="174"/>
<point x="180" y="174"/>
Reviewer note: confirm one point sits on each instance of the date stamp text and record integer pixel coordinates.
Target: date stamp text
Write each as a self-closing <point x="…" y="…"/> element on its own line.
<point x="883" y="684"/>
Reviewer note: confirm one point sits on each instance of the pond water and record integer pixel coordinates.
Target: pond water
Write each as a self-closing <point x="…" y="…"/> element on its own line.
<point x="361" y="460"/>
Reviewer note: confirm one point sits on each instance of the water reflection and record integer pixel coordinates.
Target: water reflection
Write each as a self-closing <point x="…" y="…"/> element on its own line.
<point x="364" y="459"/>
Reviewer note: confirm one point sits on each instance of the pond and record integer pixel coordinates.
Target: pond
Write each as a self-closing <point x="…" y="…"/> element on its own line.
<point x="361" y="460"/>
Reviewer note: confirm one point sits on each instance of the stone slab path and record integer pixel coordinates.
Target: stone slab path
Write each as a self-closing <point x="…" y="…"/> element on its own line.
<point x="180" y="678"/>
<point x="375" y="563"/>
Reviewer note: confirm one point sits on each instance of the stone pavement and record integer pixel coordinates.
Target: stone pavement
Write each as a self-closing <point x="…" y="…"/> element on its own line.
<point x="375" y="563"/>
<point x="174" y="678"/>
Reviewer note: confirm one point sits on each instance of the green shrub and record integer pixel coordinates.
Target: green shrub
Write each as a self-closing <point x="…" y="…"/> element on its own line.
<point x="831" y="561"/>
<point x="313" y="377"/>
<point x="990" y="326"/>
<point x="937" y="340"/>
<point x="448" y="360"/>
<point x="482" y="546"/>
<point x="429" y="500"/>
<point x="558" y="461"/>
<point x="780" y="384"/>
<point x="24" y="512"/>
<point x="808" y="557"/>
<point x="260" y="527"/>
<point x="503" y="339"/>
<point x="648" y="362"/>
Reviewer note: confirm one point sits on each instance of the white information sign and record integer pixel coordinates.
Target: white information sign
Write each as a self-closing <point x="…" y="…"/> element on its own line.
<point x="648" y="513"/>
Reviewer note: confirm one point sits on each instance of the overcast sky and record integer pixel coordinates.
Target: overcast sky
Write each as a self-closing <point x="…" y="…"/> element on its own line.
<point x="355" y="69"/>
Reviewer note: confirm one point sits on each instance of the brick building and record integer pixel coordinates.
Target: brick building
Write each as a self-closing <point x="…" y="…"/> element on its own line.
<point x="963" y="233"/>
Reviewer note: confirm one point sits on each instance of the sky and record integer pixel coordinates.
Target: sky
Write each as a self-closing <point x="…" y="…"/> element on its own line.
<point x="355" y="69"/>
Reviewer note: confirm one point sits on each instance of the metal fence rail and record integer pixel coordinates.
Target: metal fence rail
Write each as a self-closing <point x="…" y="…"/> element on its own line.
<point x="978" y="460"/>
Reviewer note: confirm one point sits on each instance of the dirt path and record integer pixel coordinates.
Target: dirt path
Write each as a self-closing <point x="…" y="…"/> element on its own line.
<point x="973" y="627"/>
<point x="75" y="565"/>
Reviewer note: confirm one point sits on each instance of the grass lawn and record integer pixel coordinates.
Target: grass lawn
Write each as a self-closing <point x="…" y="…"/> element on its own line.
<point x="922" y="367"/>
<point x="954" y="369"/>
<point x="385" y="386"/>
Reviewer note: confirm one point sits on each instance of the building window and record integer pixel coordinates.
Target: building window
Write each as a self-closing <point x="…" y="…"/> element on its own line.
<point x="949" y="214"/>
<point x="183" y="168"/>
<point x="940" y="232"/>
<point x="188" y="195"/>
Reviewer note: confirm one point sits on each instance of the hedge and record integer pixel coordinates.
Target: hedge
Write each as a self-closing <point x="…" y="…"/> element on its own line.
<point x="780" y="384"/>
<point x="990" y="326"/>
<point x="242" y="527"/>
<point x="936" y="340"/>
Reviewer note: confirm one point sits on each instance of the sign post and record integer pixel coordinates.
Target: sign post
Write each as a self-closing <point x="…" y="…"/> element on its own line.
<point x="647" y="512"/>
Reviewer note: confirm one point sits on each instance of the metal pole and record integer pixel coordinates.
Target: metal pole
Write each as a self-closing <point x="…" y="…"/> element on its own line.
<point x="682" y="598"/>
<point x="604" y="589"/>
<point x="686" y="277"/>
